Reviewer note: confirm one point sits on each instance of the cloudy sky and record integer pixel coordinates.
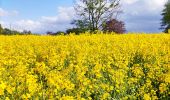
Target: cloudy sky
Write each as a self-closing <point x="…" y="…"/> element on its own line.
<point x="41" y="16"/>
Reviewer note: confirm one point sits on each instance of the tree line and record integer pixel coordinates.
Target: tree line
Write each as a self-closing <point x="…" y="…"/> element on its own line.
<point x="6" y="31"/>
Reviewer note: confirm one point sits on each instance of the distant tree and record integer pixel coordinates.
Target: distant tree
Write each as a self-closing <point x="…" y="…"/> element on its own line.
<point x="56" y="33"/>
<point x="93" y="13"/>
<point x="14" y="32"/>
<point x="81" y="24"/>
<point x="1" y="29"/>
<point x="60" y="33"/>
<point x="7" y="31"/>
<point x="27" y="32"/>
<point x="77" y="31"/>
<point x="49" y="33"/>
<point x="114" y="25"/>
<point x="165" y="24"/>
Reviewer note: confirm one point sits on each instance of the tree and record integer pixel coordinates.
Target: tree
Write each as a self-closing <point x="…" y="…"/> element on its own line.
<point x="95" y="12"/>
<point x="82" y="24"/>
<point x="49" y="33"/>
<point x="1" y="29"/>
<point x="7" y="31"/>
<point x="56" y="33"/>
<point x="59" y="33"/>
<point x="165" y="24"/>
<point x="27" y="32"/>
<point x="77" y="31"/>
<point x="114" y="25"/>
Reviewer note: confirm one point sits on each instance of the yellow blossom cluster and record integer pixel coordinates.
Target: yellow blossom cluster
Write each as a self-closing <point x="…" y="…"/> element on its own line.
<point x="85" y="67"/>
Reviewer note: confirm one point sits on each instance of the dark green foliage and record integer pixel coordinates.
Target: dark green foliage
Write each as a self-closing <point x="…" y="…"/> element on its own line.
<point x="7" y="31"/>
<point x="56" y="33"/>
<point x="83" y="24"/>
<point x="49" y="33"/>
<point x="76" y="30"/>
<point x="165" y="24"/>
<point x="60" y="33"/>
<point x="81" y="27"/>
<point x="27" y="32"/>
<point x="1" y="29"/>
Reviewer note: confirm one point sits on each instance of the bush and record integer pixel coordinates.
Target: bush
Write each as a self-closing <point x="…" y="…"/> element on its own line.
<point x="114" y="26"/>
<point x="77" y="31"/>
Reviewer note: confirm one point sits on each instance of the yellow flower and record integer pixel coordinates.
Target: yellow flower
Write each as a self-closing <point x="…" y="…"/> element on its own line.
<point x="10" y="89"/>
<point x="146" y="97"/>
<point x="2" y="85"/>
<point x="167" y="78"/>
<point x="7" y="98"/>
<point x="105" y="95"/>
<point x="1" y="92"/>
<point x="26" y="96"/>
<point x="86" y="66"/>
<point x="67" y="98"/>
<point x="162" y="88"/>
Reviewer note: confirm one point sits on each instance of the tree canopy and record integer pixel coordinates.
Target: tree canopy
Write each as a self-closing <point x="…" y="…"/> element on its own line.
<point x="93" y="13"/>
<point x="6" y="31"/>
<point x="114" y="25"/>
<point x="165" y="24"/>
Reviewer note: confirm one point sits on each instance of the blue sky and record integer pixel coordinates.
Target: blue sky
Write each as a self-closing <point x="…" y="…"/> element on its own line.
<point x="55" y="15"/>
<point x="33" y="9"/>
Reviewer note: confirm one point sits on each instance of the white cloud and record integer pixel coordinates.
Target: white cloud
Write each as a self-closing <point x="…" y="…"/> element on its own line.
<point x="26" y="25"/>
<point x="47" y="23"/>
<point x="129" y="1"/>
<point x="155" y="4"/>
<point x="8" y="13"/>
<point x="143" y="6"/>
<point x="139" y="14"/>
<point x="65" y="14"/>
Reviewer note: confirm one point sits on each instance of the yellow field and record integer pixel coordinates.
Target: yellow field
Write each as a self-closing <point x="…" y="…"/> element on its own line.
<point x="126" y="67"/>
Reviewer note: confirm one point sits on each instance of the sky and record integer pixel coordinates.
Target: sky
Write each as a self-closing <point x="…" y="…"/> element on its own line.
<point x="41" y="16"/>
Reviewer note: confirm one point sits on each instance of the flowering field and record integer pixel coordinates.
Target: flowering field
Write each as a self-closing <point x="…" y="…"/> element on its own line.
<point x="126" y="67"/>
